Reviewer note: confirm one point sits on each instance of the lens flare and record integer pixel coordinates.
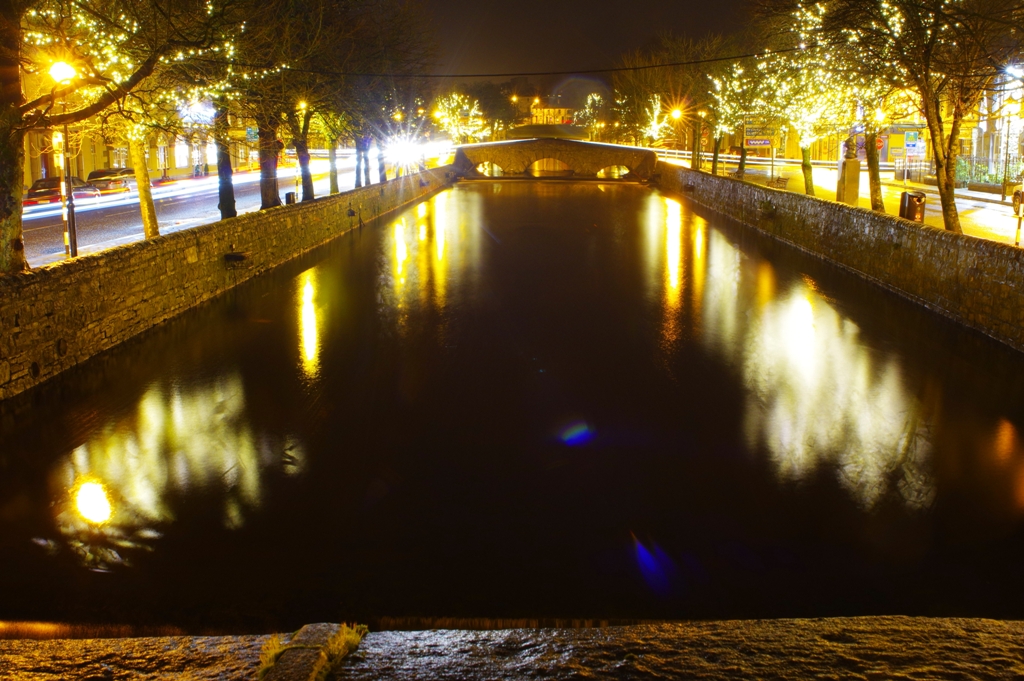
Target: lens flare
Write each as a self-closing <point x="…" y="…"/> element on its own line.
<point x="92" y="502"/>
<point x="577" y="434"/>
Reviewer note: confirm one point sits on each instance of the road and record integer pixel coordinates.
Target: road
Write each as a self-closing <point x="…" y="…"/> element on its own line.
<point x="115" y="219"/>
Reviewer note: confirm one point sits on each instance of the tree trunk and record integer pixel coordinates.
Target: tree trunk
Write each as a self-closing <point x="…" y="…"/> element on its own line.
<point x="714" y="156"/>
<point x="743" y="160"/>
<point x="945" y="161"/>
<point x="225" y="185"/>
<point x="366" y="165"/>
<point x="333" y="155"/>
<point x="381" y="166"/>
<point x="874" y="174"/>
<point x="12" y="142"/>
<point x="807" y="169"/>
<point x="695" y="153"/>
<point x="269" y="194"/>
<point x="302" y="152"/>
<point x="359" y="164"/>
<point x="137" y="151"/>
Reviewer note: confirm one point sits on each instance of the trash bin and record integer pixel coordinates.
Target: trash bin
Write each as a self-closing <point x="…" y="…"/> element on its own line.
<point x="289" y="198"/>
<point x="912" y="206"/>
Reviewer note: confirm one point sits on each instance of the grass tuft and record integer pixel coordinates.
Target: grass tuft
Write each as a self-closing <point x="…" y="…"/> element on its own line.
<point x="345" y="641"/>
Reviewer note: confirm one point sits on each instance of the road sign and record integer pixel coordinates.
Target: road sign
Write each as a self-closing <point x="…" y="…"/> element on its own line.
<point x="757" y="142"/>
<point x="896" y="152"/>
<point x="879" y="143"/>
<point x="910" y="137"/>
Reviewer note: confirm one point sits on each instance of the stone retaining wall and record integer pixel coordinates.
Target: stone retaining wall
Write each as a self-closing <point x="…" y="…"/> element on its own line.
<point x="57" y="316"/>
<point x="976" y="282"/>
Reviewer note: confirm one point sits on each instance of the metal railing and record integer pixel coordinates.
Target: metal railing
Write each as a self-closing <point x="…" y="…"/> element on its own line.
<point x="734" y="159"/>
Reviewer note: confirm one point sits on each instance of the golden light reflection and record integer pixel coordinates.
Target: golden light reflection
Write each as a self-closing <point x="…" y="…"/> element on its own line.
<point x="699" y="263"/>
<point x="92" y="502"/>
<point x="401" y="251"/>
<point x="673" y="251"/>
<point x="426" y="262"/>
<point x="654" y="247"/>
<point x="765" y="284"/>
<point x="817" y="394"/>
<point x="1005" y="441"/>
<point x="671" y="322"/>
<point x="176" y="441"/>
<point x="308" y="327"/>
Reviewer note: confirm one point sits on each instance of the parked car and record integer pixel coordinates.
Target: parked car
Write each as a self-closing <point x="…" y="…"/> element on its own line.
<point x="47" y="190"/>
<point x="113" y="180"/>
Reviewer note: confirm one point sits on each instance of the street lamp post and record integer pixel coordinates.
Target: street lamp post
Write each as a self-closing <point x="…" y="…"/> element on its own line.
<point x="62" y="73"/>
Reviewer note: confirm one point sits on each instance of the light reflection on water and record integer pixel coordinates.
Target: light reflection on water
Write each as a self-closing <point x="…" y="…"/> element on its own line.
<point x="175" y="442"/>
<point x="815" y="393"/>
<point x="308" y="325"/>
<point x="431" y="251"/>
<point x="639" y="372"/>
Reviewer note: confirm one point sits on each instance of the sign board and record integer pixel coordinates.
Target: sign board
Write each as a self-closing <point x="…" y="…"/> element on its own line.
<point x="252" y="135"/>
<point x="757" y="134"/>
<point x="879" y="143"/>
<point x="896" y="152"/>
<point x="917" y="149"/>
<point x="910" y="137"/>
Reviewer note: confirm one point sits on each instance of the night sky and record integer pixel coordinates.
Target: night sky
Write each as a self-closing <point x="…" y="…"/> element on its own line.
<point x="487" y="36"/>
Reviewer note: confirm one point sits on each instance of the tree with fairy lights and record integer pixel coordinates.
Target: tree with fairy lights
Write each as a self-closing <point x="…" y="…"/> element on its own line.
<point x="107" y="49"/>
<point x="735" y="92"/>
<point x="461" y="117"/>
<point x="949" y="52"/>
<point x="808" y="96"/>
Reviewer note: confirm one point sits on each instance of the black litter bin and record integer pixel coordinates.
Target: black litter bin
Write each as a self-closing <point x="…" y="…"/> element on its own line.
<point x="289" y="198"/>
<point x="912" y="206"/>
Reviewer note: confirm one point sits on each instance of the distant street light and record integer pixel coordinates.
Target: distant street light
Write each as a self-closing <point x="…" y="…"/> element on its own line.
<point x="677" y="114"/>
<point x="63" y="73"/>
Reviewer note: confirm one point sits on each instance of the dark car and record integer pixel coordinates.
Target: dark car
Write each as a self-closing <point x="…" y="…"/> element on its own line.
<point x="47" y="190"/>
<point x="113" y="180"/>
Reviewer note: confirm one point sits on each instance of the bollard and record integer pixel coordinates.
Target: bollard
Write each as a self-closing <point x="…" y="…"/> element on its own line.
<point x="289" y="198"/>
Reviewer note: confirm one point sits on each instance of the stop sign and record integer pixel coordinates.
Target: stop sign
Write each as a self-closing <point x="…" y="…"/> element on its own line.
<point x="879" y="143"/>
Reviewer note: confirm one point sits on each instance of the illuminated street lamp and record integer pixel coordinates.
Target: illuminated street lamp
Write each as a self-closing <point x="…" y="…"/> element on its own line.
<point x="62" y="73"/>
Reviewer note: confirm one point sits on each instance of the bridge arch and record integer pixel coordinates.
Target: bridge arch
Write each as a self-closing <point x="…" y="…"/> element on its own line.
<point x="490" y="169"/>
<point x="584" y="159"/>
<point x="616" y="172"/>
<point x="549" y="167"/>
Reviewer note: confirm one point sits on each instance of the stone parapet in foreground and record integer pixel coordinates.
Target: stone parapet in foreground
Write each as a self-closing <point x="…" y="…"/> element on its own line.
<point x="833" y="648"/>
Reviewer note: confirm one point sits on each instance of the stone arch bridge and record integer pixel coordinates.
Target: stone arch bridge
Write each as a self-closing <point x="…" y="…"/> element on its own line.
<point x="584" y="159"/>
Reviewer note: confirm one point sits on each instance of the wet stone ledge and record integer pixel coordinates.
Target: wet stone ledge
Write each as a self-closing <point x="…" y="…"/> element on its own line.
<point x="835" y="648"/>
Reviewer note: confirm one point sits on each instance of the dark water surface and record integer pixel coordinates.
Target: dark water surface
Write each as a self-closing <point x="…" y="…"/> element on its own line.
<point x="525" y="400"/>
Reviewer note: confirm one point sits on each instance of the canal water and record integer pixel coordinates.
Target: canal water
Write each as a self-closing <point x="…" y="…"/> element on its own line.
<point x="525" y="399"/>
